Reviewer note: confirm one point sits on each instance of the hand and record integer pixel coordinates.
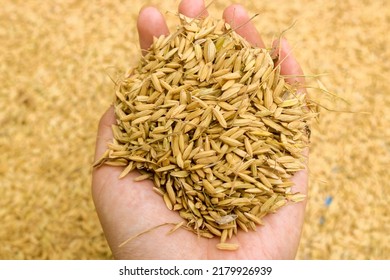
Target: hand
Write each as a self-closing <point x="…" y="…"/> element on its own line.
<point x="126" y="208"/>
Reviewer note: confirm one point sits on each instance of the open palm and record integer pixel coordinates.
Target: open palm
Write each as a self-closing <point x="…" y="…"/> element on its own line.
<point x="126" y="208"/>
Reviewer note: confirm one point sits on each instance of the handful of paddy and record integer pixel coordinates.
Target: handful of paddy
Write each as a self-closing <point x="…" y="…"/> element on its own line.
<point x="210" y="120"/>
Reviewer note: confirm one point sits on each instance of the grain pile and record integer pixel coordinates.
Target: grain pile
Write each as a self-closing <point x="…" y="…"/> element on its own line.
<point x="212" y="122"/>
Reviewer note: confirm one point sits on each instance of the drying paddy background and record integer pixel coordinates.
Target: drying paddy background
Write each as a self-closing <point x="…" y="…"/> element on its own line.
<point x="57" y="59"/>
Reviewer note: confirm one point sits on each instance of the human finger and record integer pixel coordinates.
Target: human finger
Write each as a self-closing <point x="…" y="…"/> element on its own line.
<point x="151" y="23"/>
<point x="193" y="8"/>
<point x="239" y="20"/>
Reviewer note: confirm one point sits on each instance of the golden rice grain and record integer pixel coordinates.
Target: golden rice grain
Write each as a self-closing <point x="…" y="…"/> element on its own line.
<point x="142" y="177"/>
<point x="227" y="246"/>
<point x="213" y="230"/>
<point x="167" y="201"/>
